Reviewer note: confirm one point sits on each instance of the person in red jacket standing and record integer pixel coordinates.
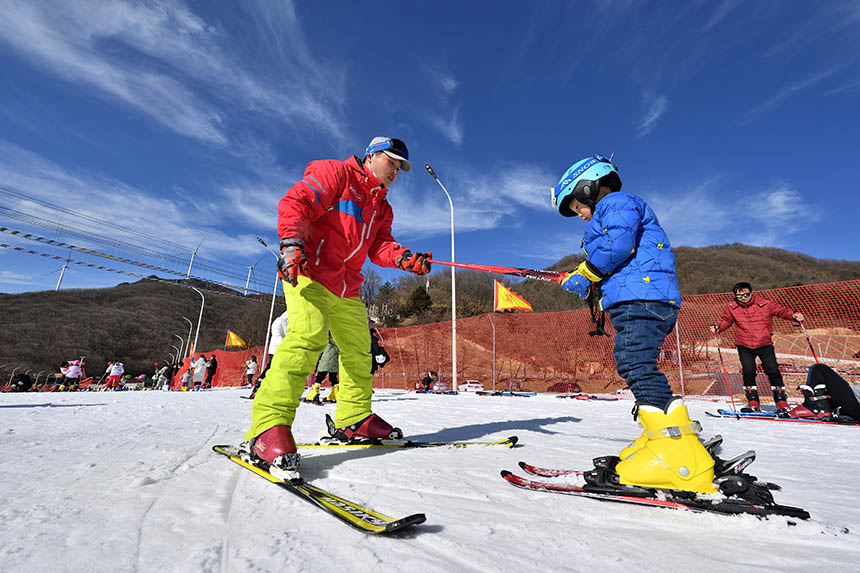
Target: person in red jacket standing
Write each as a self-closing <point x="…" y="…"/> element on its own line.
<point x="329" y="223"/>
<point x="752" y="315"/>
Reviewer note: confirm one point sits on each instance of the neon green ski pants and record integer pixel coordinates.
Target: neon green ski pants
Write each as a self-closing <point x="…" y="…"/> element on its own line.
<point x="313" y="311"/>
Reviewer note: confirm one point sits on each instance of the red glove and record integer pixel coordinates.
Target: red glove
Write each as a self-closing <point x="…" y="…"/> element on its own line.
<point x="416" y="263"/>
<point x="292" y="261"/>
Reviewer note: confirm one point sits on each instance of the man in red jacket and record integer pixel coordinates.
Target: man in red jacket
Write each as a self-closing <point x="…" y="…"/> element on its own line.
<point x="329" y="223"/>
<point x="752" y="315"/>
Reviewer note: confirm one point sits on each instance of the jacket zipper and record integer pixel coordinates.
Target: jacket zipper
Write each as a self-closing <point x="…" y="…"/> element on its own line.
<point x="319" y="248"/>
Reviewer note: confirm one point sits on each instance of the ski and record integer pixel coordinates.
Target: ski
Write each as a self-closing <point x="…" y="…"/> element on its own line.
<point x="333" y="443"/>
<point x="672" y="499"/>
<point x="447" y="392"/>
<point x="588" y="397"/>
<point x="711" y="444"/>
<point x="504" y="393"/>
<point x="772" y="417"/>
<point x="353" y="514"/>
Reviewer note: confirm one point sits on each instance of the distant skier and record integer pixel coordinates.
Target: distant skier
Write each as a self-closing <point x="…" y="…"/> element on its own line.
<point x="629" y="261"/>
<point x="114" y="371"/>
<point x="251" y="370"/>
<point x="428" y="381"/>
<point x="198" y="368"/>
<point x="329" y="223"/>
<point x="211" y="370"/>
<point x="752" y="315"/>
<point x="326" y="366"/>
<point x="71" y="371"/>
<point x="377" y="348"/>
<point x="278" y="331"/>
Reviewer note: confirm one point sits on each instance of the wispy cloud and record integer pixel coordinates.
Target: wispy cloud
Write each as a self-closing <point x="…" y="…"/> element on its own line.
<point x="171" y="65"/>
<point x="175" y="220"/>
<point x="778" y="212"/>
<point x="694" y="216"/>
<point x="450" y="126"/>
<point x="479" y="203"/>
<point x="720" y="11"/>
<point x="655" y="106"/>
<point x="785" y="93"/>
<point x="445" y="83"/>
<point x="13" y="278"/>
<point x="709" y="213"/>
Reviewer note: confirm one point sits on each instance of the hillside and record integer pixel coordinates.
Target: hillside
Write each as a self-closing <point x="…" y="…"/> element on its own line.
<point x="135" y="322"/>
<point x="131" y="322"/>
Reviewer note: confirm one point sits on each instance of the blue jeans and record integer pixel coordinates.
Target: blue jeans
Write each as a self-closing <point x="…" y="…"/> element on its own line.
<point x="642" y="327"/>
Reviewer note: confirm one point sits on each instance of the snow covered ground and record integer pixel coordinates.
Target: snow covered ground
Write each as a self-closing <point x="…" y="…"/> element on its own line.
<point x="128" y="482"/>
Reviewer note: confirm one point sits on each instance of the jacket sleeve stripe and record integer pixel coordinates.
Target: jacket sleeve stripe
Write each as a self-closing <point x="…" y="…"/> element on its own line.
<point x="317" y="193"/>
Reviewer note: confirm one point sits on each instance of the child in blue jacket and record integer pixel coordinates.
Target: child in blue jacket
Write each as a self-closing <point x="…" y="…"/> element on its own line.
<point x="629" y="262"/>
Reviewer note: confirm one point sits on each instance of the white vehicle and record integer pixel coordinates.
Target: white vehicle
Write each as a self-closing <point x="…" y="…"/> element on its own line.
<point x="471" y="386"/>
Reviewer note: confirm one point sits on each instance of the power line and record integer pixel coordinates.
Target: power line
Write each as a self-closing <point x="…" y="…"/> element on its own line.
<point x="109" y="241"/>
<point x="146" y="277"/>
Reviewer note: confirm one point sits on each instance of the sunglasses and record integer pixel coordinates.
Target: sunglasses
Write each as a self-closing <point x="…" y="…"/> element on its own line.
<point x="745" y="295"/>
<point x="394" y="145"/>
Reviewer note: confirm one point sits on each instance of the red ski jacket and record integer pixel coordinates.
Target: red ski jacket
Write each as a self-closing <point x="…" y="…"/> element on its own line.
<point x="340" y="212"/>
<point x="753" y="321"/>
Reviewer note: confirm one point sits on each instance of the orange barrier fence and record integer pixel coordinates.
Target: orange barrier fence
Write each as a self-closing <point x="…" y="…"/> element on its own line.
<point x="552" y="352"/>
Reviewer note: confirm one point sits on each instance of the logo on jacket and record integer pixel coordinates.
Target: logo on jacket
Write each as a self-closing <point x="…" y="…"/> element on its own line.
<point x="355" y="194"/>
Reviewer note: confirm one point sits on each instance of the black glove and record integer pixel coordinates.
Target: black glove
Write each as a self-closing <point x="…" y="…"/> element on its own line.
<point x="380" y="359"/>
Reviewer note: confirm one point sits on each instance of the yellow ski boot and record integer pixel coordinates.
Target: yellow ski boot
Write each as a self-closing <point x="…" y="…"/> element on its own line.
<point x="672" y="456"/>
<point x="332" y="396"/>
<point x="633" y="446"/>
<point x="313" y="394"/>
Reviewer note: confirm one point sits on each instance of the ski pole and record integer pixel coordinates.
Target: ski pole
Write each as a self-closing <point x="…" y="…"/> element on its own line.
<point x="553" y="276"/>
<point x="725" y="373"/>
<point x="809" y="342"/>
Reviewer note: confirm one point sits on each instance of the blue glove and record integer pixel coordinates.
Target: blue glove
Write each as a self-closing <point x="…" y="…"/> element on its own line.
<point x="576" y="284"/>
<point x="579" y="281"/>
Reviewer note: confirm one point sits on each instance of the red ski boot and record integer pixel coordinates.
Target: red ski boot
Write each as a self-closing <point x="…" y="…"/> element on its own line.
<point x="371" y="428"/>
<point x="277" y="448"/>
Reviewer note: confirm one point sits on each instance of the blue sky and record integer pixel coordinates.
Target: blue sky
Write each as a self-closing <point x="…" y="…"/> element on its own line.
<point x="145" y="129"/>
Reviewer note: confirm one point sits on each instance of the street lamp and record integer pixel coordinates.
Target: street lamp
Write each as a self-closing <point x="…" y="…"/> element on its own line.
<point x="181" y="342"/>
<point x="173" y="346"/>
<point x="199" y="318"/>
<point x="453" y="281"/>
<point x="188" y="338"/>
<point x="271" y="307"/>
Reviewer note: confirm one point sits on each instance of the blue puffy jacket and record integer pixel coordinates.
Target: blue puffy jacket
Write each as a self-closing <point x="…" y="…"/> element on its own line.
<point x="625" y="242"/>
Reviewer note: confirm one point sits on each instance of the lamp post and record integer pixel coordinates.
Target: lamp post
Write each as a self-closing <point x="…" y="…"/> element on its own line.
<point x="181" y="342"/>
<point x="173" y="346"/>
<point x="172" y="358"/>
<point x="453" y="282"/>
<point x="188" y="338"/>
<point x="199" y="318"/>
<point x="271" y="307"/>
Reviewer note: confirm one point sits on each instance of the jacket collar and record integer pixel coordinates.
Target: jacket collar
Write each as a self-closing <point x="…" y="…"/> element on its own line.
<point x="376" y="187"/>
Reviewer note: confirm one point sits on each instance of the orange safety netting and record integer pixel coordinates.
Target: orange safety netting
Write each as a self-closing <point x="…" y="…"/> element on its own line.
<point x="552" y="352"/>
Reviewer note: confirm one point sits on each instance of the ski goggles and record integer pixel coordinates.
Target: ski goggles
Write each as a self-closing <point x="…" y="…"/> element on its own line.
<point x="743" y="296"/>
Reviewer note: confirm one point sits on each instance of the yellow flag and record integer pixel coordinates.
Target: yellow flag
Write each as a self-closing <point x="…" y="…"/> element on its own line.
<point x="506" y="299"/>
<point x="233" y="340"/>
